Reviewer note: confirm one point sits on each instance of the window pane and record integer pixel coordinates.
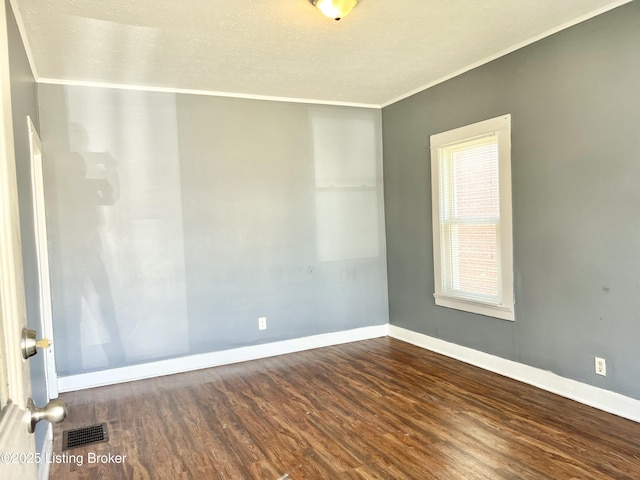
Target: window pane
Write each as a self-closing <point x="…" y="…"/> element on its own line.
<point x="474" y="254"/>
<point x="475" y="181"/>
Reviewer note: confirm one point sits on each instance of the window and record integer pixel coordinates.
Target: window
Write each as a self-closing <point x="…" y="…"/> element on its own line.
<point x="472" y="241"/>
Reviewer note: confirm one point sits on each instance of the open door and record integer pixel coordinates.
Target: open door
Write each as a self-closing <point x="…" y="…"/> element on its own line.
<point x="18" y="415"/>
<point x="17" y="447"/>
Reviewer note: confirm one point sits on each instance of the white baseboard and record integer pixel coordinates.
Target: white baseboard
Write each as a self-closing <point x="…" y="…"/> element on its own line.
<point x="599" y="398"/>
<point x="214" y="359"/>
<point x="47" y="449"/>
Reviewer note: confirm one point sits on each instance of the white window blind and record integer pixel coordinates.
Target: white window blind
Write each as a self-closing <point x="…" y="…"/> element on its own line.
<point x="472" y="244"/>
<point x="470" y="219"/>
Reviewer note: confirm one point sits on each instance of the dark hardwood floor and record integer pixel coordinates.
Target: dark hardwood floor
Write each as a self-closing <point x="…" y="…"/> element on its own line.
<point x="377" y="409"/>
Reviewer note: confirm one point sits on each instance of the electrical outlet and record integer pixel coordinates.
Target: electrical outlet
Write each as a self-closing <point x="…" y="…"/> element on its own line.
<point x="262" y="323"/>
<point x="601" y="366"/>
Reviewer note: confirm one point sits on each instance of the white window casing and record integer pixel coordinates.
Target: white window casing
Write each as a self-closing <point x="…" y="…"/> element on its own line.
<point x="472" y="222"/>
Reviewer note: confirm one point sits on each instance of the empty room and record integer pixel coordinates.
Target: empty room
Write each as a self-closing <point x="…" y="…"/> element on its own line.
<point x="320" y="239"/>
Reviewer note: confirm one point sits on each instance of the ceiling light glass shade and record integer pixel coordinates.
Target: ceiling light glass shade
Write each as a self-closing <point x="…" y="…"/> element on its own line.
<point x="335" y="9"/>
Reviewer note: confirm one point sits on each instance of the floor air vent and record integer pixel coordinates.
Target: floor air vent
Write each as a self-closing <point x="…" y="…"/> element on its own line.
<point x="84" y="436"/>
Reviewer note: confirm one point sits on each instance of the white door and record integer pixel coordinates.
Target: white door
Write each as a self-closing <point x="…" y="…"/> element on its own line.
<point x="17" y="447"/>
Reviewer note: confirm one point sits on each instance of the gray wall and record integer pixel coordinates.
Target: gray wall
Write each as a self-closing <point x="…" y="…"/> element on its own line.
<point x="575" y="106"/>
<point x="24" y="102"/>
<point x="175" y="221"/>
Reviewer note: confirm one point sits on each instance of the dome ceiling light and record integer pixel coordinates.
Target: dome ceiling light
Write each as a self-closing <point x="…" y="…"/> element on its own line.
<point x="335" y="9"/>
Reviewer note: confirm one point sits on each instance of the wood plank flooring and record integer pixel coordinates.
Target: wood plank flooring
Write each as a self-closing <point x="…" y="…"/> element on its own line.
<point x="377" y="409"/>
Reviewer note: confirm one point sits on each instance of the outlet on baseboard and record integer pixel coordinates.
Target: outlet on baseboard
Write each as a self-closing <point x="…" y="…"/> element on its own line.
<point x="601" y="366"/>
<point x="262" y="323"/>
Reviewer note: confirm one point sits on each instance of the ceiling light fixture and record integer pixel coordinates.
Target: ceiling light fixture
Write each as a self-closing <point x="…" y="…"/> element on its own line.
<point x="335" y="9"/>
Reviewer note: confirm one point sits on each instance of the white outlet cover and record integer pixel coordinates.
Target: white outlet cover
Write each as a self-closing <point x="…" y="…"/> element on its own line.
<point x="601" y="366"/>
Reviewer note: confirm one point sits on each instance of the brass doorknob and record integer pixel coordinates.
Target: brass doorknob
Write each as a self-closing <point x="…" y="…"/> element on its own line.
<point x="54" y="412"/>
<point x="30" y="344"/>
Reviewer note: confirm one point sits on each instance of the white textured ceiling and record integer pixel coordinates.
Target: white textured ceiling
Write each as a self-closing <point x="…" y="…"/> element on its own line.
<point x="282" y="48"/>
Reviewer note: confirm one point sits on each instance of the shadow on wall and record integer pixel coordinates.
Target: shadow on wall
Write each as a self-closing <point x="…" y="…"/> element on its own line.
<point x="90" y="185"/>
<point x="114" y="214"/>
<point x="176" y="221"/>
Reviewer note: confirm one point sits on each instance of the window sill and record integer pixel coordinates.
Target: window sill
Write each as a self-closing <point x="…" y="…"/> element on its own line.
<point x="502" y="312"/>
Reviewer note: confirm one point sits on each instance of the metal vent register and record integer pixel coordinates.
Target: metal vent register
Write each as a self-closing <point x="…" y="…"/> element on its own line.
<point x="80" y="437"/>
